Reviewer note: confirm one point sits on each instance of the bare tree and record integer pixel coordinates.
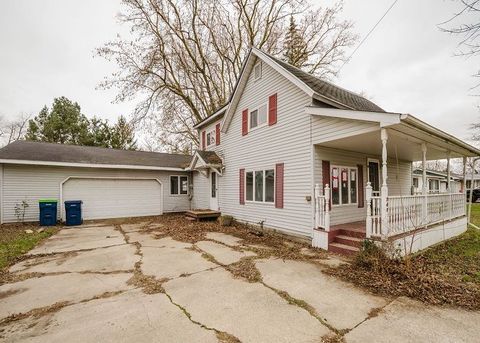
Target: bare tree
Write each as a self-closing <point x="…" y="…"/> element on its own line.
<point x="184" y="56"/>
<point x="468" y="30"/>
<point x="13" y="129"/>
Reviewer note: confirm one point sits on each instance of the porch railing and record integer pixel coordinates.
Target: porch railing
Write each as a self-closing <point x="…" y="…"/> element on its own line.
<point x="322" y="207"/>
<point x="408" y="213"/>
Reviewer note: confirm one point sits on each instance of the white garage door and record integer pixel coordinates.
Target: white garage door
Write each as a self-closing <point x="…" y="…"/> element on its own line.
<point x="115" y="198"/>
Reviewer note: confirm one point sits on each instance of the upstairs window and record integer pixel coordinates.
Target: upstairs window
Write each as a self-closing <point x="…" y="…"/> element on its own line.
<point x="257" y="71"/>
<point x="211" y="138"/>
<point x="258" y="117"/>
<point x="178" y="185"/>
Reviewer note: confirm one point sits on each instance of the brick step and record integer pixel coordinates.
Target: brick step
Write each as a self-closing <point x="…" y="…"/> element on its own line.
<point x="352" y="233"/>
<point x="348" y="240"/>
<point x="342" y="249"/>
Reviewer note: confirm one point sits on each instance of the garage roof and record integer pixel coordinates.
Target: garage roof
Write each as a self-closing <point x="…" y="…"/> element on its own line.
<point x="63" y="154"/>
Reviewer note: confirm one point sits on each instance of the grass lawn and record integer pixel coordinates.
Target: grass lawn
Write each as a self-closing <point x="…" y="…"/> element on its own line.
<point x="14" y="241"/>
<point x="447" y="273"/>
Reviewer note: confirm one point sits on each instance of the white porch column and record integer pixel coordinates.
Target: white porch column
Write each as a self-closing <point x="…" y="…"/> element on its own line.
<point x="424" y="185"/>
<point x="424" y="169"/>
<point x="448" y="173"/>
<point x="464" y="179"/>
<point x="384" y="188"/>
<point x="318" y="191"/>
<point x="327" y="207"/>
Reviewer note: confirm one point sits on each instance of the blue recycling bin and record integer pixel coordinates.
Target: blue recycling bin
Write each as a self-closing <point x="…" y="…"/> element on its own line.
<point x="73" y="212"/>
<point x="48" y="212"/>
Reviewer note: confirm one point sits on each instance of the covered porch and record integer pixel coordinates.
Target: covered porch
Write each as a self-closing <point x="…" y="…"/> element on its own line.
<point x="369" y="181"/>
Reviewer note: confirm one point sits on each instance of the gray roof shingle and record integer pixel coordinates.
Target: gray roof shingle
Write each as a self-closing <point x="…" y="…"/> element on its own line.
<point x="329" y="90"/>
<point x="50" y="152"/>
<point x="209" y="156"/>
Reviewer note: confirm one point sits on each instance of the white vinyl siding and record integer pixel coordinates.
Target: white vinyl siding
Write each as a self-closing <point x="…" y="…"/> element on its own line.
<point x="328" y="128"/>
<point x="285" y="142"/>
<point x="31" y="183"/>
<point x="201" y="191"/>
<point x="399" y="179"/>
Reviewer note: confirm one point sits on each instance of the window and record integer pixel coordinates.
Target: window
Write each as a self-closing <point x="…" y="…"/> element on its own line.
<point x="178" y="185"/>
<point x="415" y="182"/>
<point x="258" y="117"/>
<point x="257" y="71"/>
<point x="260" y="185"/>
<point x="433" y="185"/>
<point x="211" y="138"/>
<point x="344" y="185"/>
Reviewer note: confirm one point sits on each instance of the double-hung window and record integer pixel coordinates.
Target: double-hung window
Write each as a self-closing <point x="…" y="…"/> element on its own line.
<point x="344" y="185"/>
<point x="211" y="138"/>
<point x="258" y="117"/>
<point x="178" y="185"/>
<point x="260" y="185"/>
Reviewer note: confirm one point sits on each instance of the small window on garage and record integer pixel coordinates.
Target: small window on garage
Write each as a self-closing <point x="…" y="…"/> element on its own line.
<point x="178" y="185"/>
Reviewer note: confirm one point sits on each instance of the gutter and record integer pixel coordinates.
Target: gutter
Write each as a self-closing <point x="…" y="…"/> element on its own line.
<point x="88" y="165"/>
<point x="211" y="117"/>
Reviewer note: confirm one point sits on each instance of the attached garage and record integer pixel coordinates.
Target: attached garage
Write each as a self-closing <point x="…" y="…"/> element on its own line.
<point x="114" y="197"/>
<point x="110" y="183"/>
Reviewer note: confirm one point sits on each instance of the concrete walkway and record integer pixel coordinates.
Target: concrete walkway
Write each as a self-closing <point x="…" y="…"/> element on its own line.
<point x="122" y="284"/>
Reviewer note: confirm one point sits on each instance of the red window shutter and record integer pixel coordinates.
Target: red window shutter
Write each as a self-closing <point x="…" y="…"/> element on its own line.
<point x="242" y="187"/>
<point x="217" y="134"/>
<point x="272" y="109"/>
<point x="204" y="142"/>
<point x="361" y="190"/>
<point x="279" y="174"/>
<point x="326" y="176"/>
<point x="244" y="122"/>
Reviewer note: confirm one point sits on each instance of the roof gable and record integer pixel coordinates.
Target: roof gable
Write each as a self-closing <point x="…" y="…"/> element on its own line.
<point x="310" y="84"/>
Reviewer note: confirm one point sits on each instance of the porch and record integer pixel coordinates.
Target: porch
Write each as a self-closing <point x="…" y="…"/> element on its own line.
<point x="366" y="177"/>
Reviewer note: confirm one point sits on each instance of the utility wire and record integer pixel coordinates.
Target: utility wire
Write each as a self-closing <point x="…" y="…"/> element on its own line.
<point x="368" y="34"/>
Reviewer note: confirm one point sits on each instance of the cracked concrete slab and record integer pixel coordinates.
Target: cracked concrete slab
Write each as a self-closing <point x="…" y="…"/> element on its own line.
<point x="129" y="317"/>
<point x="133" y="227"/>
<point x="172" y="261"/>
<point x="224" y="238"/>
<point x="221" y="253"/>
<point x="249" y="311"/>
<point x="115" y="258"/>
<point x="23" y="296"/>
<point x="147" y="239"/>
<point x="80" y="239"/>
<point x="340" y="304"/>
<point x="408" y="321"/>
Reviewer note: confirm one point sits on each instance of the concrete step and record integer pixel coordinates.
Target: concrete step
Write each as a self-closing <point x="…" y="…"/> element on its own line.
<point x="348" y="240"/>
<point x="342" y="249"/>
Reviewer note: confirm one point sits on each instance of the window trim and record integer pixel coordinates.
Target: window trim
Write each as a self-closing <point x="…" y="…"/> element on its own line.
<point x="179" y="187"/>
<point x="259" y="65"/>
<point x="213" y="133"/>
<point x="349" y="168"/>
<point x="264" y="186"/>
<point x="250" y="128"/>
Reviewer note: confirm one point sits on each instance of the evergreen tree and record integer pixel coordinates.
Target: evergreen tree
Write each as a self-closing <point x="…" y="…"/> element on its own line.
<point x="295" y="46"/>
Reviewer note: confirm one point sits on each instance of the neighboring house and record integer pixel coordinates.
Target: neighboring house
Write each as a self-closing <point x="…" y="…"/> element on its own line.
<point x="437" y="182"/>
<point x="476" y="181"/>
<point x="288" y="152"/>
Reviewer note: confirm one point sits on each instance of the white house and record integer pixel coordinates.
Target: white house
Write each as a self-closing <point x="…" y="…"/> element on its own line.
<point x="288" y="152"/>
<point x="437" y="182"/>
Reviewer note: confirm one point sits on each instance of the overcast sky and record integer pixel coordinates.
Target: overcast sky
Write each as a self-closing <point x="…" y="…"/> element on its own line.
<point x="406" y="65"/>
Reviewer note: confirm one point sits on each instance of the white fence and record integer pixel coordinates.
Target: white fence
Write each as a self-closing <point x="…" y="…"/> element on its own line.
<point x="408" y="213"/>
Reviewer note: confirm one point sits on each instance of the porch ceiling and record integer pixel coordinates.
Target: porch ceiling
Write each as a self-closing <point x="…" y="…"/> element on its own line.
<point x="404" y="142"/>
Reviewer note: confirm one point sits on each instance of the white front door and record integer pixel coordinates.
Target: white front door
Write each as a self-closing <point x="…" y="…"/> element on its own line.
<point x="213" y="191"/>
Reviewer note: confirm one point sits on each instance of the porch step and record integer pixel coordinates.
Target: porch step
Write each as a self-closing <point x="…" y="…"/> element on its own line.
<point x="352" y="233"/>
<point x="348" y="240"/>
<point x="343" y="249"/>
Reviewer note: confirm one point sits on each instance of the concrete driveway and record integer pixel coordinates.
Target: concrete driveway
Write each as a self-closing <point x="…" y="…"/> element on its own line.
<point x="122" y="284"/>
